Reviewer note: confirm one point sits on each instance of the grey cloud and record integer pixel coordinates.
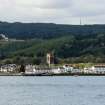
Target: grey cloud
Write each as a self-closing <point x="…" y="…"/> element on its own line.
<point x="59" y="11"/>
<point x="45" y="4"/>
<point x="56" y="4"/>
<point x="88" y="8"/>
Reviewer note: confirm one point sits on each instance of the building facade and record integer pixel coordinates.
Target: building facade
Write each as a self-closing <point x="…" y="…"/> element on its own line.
<point x="50" y="58"/>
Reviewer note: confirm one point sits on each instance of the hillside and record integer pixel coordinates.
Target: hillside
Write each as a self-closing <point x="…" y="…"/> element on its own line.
<point x="47" y="30"/>
<point x="70" y="43"/>
<point x="67" y="49"/>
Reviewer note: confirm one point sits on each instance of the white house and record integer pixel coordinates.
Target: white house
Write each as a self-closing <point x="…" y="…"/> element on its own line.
<point x="63" y="69"/>
<point x="98" y="68"/>
<point x="89" y="70"/>
<point x="4" y="37"/>
<point x="29" y="69"/>
<point x="33" y="69"/>
<point x="8" y="68"/>
<point x="67" y="68"/>
<point x="57" y="70"/>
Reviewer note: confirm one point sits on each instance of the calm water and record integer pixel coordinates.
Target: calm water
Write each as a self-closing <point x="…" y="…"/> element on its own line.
<point x="52" y="90"/>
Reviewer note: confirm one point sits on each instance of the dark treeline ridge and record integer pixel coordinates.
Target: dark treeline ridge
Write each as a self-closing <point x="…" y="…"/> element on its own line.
<point x="47" y="30"/>
<point x="70" y="43"/>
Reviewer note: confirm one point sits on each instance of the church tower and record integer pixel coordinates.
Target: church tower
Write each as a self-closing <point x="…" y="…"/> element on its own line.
<point x="50" y="58"/>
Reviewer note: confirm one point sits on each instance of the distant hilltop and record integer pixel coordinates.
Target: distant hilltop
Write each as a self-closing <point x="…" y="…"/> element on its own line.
<point x="3" y="37"/>
<point x="47" y="30"/>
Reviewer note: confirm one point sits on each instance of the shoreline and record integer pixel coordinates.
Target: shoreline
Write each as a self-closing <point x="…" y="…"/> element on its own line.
<point x="22" y="74"/>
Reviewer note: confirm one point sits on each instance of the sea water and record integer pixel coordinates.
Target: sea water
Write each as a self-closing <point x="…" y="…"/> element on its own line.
<point x="52" y="90"/>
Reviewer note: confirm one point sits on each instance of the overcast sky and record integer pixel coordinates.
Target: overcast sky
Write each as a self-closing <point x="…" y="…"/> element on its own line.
<point x="53" y="11"/>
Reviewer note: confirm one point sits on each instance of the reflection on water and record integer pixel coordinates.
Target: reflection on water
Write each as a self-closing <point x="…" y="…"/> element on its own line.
<point x="52" y="90"/>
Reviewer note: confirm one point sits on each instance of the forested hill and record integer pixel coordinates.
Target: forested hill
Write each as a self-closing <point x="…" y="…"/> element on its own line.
<point x="47" y="30"/>
<point x="67" y="49"/>
<point x="70" y="43"/>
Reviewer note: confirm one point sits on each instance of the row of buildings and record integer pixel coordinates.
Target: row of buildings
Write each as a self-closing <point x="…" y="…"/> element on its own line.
<point x="34" y="69"/>
<point x="9" y="68"/>
<point x="29" y="69"/>
<point x="96" y="69"/>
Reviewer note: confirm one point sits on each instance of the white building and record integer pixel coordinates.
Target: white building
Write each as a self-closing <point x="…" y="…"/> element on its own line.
<point x="29" y="69"/>
<point x="4" y="37"/>
<point x="98" y="68"/>
<point x="64" y="69"/>
<point x="76" y="71"/>
<point x="32" y="69"/>
<point x="8" y="68"/>
<point x="89" y="70"/>
<point x="68" y="68"/>
<point x="58" y="70"/>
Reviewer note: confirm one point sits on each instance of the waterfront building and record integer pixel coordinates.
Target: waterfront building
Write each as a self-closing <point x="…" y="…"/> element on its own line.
<point x="89" y="70"/>
<point x="100" y="68"/>
<point x="8" y="68"/>
<point x="33" y="69"/>
<point x="62" y="69"/>
<point x="67" y="68"/>
<point x="29" y="69"/>
<point x="75" y="70"/>
<point x="58" y="70"/>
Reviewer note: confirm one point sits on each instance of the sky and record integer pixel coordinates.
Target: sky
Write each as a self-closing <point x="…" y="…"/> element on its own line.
<point x="53" y="11"/>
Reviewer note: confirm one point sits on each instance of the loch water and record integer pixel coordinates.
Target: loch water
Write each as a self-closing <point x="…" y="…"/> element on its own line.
<point x="52" y="90"/>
